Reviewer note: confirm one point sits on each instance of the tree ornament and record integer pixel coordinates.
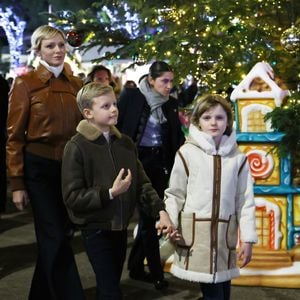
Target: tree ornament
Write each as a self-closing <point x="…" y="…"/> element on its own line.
<point x="290" y="39"/>
<point x="139" y="59"/>
<point x="65" y="14"/>
<point x="210" y="65"/>
<point x="74" y="37"/>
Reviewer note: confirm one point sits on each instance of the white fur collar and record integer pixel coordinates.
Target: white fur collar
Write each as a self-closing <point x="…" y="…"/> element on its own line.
<point x="207" y="143"/>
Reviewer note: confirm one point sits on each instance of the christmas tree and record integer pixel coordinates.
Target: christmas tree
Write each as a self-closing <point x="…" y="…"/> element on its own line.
<point x="216" y="41"/>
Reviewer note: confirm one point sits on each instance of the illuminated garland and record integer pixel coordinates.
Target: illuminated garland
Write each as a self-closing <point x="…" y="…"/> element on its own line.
<point x="14" y="29"/>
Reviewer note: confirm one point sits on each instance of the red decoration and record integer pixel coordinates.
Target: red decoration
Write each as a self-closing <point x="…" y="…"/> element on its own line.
<point x="74" y="38"/>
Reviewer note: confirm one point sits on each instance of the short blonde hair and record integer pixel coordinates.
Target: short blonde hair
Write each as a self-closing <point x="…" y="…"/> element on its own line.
<point x="44" y="32"/>
<point x="209" y="101"/>
<point x="88" y="92"/>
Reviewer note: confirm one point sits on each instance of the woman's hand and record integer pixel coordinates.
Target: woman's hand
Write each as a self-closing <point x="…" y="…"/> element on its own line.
<point x="245" y="254"/>
<point x="20" y="199"/>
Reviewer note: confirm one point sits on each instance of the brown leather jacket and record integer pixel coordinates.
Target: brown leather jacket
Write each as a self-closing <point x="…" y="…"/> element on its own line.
<point x="42" y="117"/>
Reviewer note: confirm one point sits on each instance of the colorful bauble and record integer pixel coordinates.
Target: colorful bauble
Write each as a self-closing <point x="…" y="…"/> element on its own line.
<point x="290" y="39"/>
<point x="75" y="38"/>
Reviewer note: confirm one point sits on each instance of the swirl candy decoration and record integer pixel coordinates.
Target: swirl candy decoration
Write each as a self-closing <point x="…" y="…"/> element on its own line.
<point x="261" y="163"/>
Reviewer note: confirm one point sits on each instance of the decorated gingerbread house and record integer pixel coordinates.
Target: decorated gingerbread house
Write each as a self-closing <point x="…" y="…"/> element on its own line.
<point x="276" y="259"/>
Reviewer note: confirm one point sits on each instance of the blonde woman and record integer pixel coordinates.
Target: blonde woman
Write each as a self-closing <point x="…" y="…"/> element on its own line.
<point x="42" y="116"/>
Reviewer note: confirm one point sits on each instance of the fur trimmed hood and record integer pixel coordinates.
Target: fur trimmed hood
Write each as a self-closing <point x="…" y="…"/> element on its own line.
<point x="207" y="144"/>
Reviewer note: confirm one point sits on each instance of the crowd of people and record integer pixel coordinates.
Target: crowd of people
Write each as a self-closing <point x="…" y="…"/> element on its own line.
<point x="88" y="153"/>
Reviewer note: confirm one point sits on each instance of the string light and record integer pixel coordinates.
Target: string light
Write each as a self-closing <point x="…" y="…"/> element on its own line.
<point x="242" y="31"/>
<point x="14" y="28"/>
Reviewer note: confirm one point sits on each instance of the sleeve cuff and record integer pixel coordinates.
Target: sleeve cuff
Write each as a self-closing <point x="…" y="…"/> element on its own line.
<point x="110" y="195"/>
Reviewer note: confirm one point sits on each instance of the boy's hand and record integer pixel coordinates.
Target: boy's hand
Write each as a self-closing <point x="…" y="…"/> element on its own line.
<point x="20" y="199"/>
<point x="174" y="236"/>
<point x="165" y="225"/>
<point x="121" y="185"/>
<point x="245" y="254"/>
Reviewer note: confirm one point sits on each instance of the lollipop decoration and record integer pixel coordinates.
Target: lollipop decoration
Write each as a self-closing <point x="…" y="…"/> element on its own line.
<point x="261" y="163"/>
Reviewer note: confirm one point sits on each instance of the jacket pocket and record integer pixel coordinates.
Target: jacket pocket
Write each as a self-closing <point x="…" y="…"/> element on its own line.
<point x="184" y="246"/>
<point x="232" y="233"/>
<point x="187" y="230"/>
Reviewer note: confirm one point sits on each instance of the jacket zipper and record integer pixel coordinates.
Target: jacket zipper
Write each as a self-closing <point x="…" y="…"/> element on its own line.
<point x="215" y="212"/>
<point x="115" y="168"/>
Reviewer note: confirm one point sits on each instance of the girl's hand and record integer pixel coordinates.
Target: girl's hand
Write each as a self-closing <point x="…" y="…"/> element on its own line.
<point x="20" y="199"/>
<point x="175" y="236"/>
<point x="121" y="185"/>
<point x="166" y="227"/>
<point x="245" y="254"/>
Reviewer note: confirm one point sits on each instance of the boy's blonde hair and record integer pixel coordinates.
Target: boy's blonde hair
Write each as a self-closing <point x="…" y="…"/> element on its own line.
<point x="44" y="32"/>
<point x="88" y="92"/>
<point x="209" y="101"/>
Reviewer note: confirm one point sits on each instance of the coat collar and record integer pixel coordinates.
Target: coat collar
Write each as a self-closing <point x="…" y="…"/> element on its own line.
<point x="92" y="133"/>
<point x="206" y="142"/>
<point x="44" y="74"/>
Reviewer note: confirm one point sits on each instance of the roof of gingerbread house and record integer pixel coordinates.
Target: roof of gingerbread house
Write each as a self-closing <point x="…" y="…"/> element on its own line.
<point x="265" y="72"/>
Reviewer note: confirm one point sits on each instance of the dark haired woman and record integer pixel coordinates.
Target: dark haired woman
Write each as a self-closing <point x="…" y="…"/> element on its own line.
<point x="100" y="73"/>
<point x="149" y="115"/>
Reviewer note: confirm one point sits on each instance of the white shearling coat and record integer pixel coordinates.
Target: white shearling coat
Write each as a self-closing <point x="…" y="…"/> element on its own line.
<point x="210" y="205"/>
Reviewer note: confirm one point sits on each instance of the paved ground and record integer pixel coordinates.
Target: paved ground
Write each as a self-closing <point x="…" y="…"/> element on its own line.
<point x="17" y="256"/>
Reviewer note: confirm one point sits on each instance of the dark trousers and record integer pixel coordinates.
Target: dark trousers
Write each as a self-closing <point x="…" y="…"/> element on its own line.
<point x="55" y="275"/>
<point x="3" y="178"/>
<point x="106" y="251"/>
<point x="216" y="291"/>
<point x="146" y="243"/>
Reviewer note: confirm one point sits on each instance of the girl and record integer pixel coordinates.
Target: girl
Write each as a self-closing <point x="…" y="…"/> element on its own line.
<point x="210" y="196"/>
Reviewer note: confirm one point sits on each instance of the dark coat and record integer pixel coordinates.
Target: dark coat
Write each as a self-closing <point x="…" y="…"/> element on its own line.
<point x="4" y="89"/>
<point x="134" y="112"/>
<point x="90" y="166"/>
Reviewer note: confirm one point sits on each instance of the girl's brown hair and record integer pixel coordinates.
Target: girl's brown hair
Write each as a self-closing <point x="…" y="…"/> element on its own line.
<point x="209" y="101"/>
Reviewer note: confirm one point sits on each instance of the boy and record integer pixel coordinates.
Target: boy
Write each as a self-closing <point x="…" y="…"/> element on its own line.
<point x="102" y="181"/>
